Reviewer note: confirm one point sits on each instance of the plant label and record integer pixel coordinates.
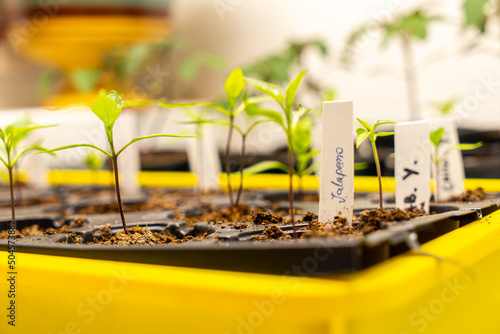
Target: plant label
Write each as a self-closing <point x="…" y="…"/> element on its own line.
<point x="412" y="165"/>
<point x="451" y="168"/>
<point x="337" y="162"/>
<point x="204" y="162"/>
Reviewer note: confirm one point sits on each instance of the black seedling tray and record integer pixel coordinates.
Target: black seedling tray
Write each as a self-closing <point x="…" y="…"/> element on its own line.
<point x="231" y="249"/>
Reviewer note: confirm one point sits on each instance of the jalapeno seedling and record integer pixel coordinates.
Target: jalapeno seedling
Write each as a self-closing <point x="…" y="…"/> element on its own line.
<point x="369" y="132"/>
<point x="108" y="108"/>
<point x="436" y="138"/>
<point x="11" y="137"/>
<point x="289" y="122"/>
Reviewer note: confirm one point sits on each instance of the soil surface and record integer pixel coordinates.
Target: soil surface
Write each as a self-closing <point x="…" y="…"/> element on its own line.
<point x="157" y="201"/>
<point x="51" y="199"/>
<point x="35" y="230"/>
<point x="212" y="213"/>
<point x="472" y="196"/>
<point x="141" y="236"/>
<point x="367" y="222"/>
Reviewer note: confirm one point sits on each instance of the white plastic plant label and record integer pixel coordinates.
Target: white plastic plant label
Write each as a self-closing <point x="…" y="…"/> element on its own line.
<point x="337" y="162"/>
<point x="451" y="169"/>
<point x="204" y="162"/>
<point x="412" y="165"/>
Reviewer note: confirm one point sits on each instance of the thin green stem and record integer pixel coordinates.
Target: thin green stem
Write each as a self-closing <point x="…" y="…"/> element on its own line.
<point x="18" y="184"/>
<point x="118" y="195"/>
<point x="12" y="201"/>
<point x="242" y="167"/>
<point x="290" y="194"/>
<point x="228" y="162"/>
<point x="436" y="164"/>
<point x="379" y="174"/>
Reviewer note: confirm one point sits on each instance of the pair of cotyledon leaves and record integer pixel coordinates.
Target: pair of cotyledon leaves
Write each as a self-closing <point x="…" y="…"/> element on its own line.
<point x="436" y="138"/>
<point x="108" y="108"/>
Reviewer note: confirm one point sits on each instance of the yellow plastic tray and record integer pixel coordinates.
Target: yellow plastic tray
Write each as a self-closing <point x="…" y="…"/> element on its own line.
<point x="260" y="181"/>
<point x="410" y="293"/>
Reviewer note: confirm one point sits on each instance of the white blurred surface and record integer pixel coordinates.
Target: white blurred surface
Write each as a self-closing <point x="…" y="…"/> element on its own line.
<point x="251" y="29"/>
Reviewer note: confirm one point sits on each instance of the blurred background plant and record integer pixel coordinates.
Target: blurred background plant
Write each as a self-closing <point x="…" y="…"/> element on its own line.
<point x="405" y="28"/>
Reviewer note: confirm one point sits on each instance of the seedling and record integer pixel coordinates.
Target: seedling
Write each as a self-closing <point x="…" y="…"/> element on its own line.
<point x="436" y="138"/>
<point x="244" y="135"/>
<point x="11" y="137"/>
<point x="303" y="154"/>
<point x="234" y="86"/>
<point x="369" y="132"/>
<point x="108" y="108"/>
<point x="289" y="123"/>
<point x="405" y="29"/>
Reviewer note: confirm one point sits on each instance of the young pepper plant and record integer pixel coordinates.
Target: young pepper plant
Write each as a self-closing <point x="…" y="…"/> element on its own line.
<point x="406" y="29"/>
<point x="234" y="86"/>
<point x="244" y="135"/>
<point x="288" y="123"/>
<point x="108" y="108"/>
<point x="436" y="138"/>
<point x="369" y="132"/>
<point x="11" y="137"/>
<point x="303" y="155"/>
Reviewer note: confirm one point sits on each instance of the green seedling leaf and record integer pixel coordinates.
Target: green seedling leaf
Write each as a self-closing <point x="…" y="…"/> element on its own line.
<point x="297" y="115"/>
<point x="93" y="160"/>
<point x="113" y="95"/>
<point x="10" y="138"/>
<point x="15" y="134"/>
<point x="61" y="148"/>
<point x="268" y="88"/>
<point x="379" y="123"/>
<point x="365" y="125"/>
<point x="362" y="135"/>
<point x="108" y="109"/>
<point x="85" y="80"/>
<point x="462" y="147"/>
<point x="274" y="116"/>
<point x="466" y="147"/>
<point x="291" y="91"/>
<point x="369" y="132"/>
<point x="302" y="136"/>
<point x="234" y="86"/>
<point x="436" y="136"/>
<point x="311" y="169"/>
<point x="135" y="140"/>
<point x="254" y="124"/>
<point x="137" y="103"/>
<point x="195" y="104"/>
<point x="475" y="14"/>
<point x="250" y="100"/>
<point x="26" y="150"/>
<point x="266" y="166"/>
<point x="383" y="134"/>
<point x="361" y="165"/>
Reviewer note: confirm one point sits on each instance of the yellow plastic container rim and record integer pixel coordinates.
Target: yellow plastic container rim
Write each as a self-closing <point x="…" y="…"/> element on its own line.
<point x="259" y="181"/>
<point x="409" y="293"/>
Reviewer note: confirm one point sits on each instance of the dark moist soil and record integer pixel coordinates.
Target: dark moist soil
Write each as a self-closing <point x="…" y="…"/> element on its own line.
<point x="35" y="230"/>
<point x="140" y="236"/>
<point x="157" y="201"/>
<point x="272" y="232"/>
<point x="214" y="214"/>
<point x="51" y="199"/>
<point x="367" y="222"/>
<point x="472" y="196"/>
